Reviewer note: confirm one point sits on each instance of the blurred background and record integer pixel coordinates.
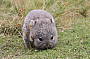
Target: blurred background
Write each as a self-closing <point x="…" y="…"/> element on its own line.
<point x="72" y="19"/>
<point x="65" y="12"/>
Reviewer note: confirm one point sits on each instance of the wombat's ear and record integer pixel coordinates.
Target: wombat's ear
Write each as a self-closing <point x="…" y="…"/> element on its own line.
<point x="52" y="20"/>
<point x="32" y="23"/>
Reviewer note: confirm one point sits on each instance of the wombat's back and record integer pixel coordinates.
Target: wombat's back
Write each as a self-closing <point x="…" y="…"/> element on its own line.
<point x="38" y="13"/>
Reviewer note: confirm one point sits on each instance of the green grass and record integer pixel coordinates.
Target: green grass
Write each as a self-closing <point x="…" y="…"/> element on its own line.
<point x="71" y="16"/>
<point x="72" y="44"/>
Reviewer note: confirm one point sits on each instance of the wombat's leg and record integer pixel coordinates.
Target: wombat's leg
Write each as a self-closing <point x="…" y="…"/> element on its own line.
<point x="26" y="39"/>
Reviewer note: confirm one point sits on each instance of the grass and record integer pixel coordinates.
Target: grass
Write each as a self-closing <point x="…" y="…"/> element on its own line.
<point x="72" y="44"/>
<point x="73" y="24"/>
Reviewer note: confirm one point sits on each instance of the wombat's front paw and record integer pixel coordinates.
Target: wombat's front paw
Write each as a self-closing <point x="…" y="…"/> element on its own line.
<point x="27" y="45"/>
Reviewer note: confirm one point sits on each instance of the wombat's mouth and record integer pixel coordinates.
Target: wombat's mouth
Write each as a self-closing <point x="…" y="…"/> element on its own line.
<point x="44" y="46"/>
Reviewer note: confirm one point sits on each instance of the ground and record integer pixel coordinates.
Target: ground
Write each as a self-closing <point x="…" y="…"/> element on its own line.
<point x="73" y="39"/>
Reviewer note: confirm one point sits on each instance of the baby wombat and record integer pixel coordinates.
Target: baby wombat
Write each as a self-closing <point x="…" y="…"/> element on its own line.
<point x="39" y="30"/>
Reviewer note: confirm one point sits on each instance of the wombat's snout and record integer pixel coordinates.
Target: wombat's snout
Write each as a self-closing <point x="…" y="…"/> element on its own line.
<point x="42" y="44"/>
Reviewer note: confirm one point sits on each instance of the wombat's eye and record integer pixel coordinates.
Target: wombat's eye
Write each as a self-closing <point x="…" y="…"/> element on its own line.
<point x="51" y="37"/>
<point x="40" y="38"/>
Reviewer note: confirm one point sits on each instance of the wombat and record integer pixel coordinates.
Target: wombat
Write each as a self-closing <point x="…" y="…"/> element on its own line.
<point x="39" y="30"/>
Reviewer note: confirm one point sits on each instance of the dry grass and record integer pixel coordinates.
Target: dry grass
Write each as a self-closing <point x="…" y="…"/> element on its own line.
<point x="12" y="12"/>
<point x="72" y="18"/>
